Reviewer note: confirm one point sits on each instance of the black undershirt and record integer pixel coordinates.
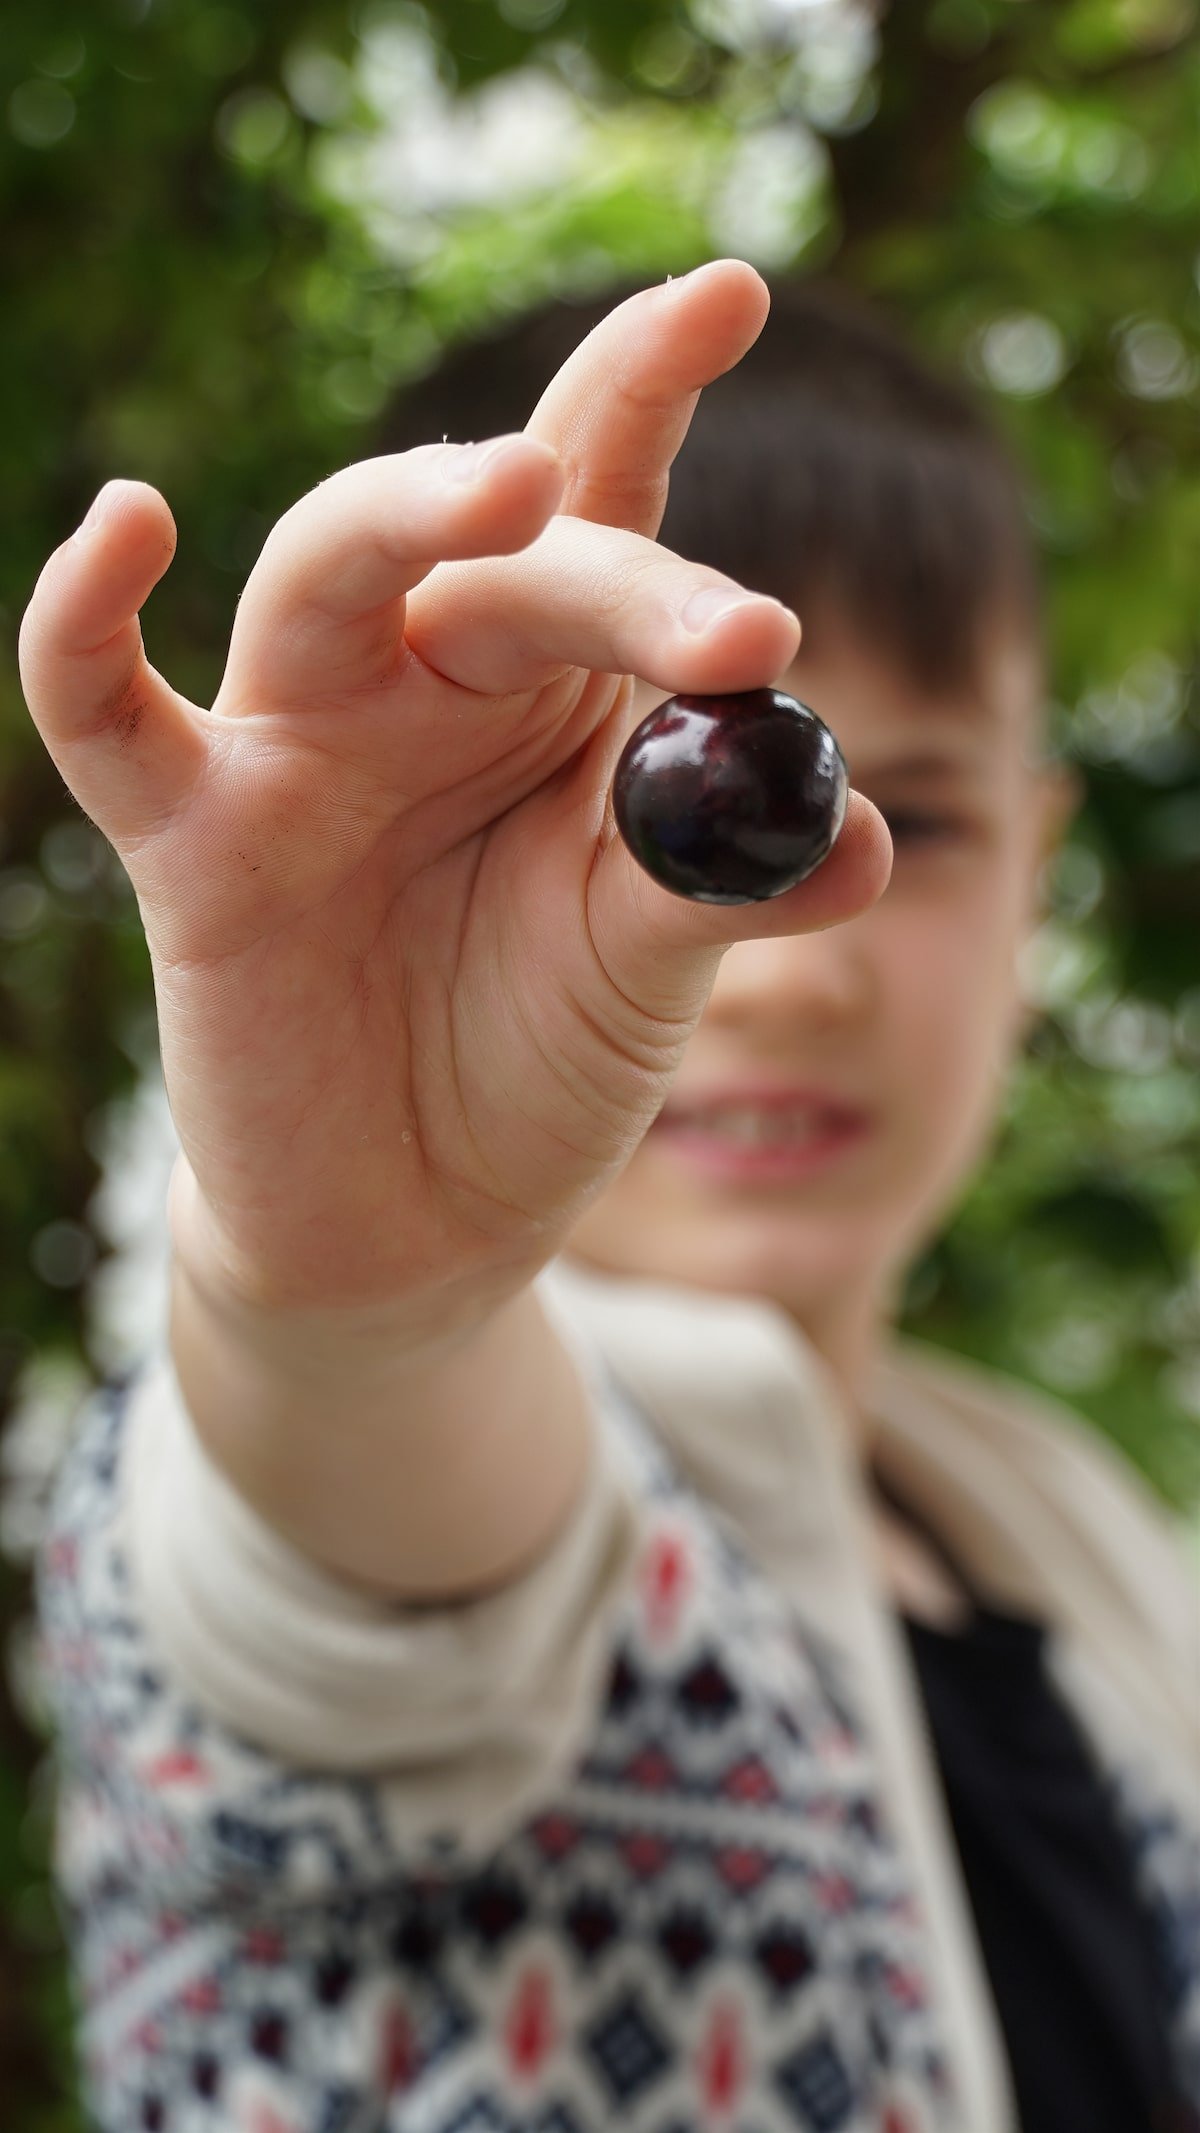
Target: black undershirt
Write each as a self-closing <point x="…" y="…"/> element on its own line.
<point x="1066" y="1940"/>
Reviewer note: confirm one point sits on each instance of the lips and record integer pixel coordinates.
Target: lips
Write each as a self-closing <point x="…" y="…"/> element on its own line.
<point x="759" y="1125"/>
<point x="762" y="1134"/>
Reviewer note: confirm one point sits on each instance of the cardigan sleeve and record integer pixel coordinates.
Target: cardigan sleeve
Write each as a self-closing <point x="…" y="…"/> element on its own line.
<point x="232" y="1712"/>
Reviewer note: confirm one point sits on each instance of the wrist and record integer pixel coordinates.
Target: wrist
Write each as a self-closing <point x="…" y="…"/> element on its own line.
<point x="247" y="1305"/>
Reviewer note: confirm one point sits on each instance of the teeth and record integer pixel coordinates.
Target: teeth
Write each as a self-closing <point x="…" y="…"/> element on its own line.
<point x="748" y="1128"/>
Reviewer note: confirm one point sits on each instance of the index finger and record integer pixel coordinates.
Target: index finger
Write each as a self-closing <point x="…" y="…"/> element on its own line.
<point x="618" y="410"/>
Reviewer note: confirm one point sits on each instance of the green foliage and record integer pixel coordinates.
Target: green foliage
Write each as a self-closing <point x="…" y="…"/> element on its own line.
<point x="214" y="284"/>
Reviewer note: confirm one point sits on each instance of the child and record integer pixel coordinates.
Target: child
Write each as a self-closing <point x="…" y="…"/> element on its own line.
<point x="634" y="1690"/>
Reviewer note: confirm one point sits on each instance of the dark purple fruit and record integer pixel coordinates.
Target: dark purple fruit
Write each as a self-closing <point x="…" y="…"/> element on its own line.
<point x="730" y="799"/>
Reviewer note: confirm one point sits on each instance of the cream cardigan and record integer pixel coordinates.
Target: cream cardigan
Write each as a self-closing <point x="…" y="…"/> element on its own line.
<point x="461" y="1712"/>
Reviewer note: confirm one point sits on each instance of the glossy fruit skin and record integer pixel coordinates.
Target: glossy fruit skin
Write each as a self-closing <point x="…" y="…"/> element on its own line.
<point x="730" y="799"/>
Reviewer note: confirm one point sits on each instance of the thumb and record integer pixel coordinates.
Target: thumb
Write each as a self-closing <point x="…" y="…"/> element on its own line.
<point x="662" y="951"/>
<point x="126" y="744"/>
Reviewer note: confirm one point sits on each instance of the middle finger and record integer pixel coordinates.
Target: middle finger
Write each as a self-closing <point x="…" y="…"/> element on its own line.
<point x="618" y="410"/>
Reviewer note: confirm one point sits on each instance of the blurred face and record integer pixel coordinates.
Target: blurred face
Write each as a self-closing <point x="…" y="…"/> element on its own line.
<point x="841" y="1085"/>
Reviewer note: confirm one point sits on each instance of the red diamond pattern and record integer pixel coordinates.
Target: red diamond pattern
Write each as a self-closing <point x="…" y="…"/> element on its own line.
<point x="530" y="2030"/>
<point x="666" y="1577"/>
<point x="644" y="1854"/>
<point x="652" y="1770"/>
<point x="742" y="1868"/>
<point x="722" y="2061"/>
<point x="398" y="2050"/>
<point x="556" y="1835"/>
<point x="750" y="1780"/>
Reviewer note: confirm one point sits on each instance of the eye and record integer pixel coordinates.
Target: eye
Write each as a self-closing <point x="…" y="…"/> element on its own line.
<point x="907" y="826"/>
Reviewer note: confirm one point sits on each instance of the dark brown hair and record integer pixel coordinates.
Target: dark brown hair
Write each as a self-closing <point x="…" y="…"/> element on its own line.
<point x="833" y="468"/>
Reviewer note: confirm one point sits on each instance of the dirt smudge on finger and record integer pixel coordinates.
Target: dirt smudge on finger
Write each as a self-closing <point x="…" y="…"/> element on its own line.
<point x="125" y="705"/>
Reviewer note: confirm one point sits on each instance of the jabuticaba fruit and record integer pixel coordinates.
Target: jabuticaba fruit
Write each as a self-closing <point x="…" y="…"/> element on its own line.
<point x="730" y="799"/>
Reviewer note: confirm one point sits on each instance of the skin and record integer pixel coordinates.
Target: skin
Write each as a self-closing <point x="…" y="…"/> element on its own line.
<point x="416" y="1003"/>
<point x="911" y="1010"/>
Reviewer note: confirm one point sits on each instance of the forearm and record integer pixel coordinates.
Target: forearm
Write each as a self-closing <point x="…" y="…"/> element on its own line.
<point x="426" y="1466"/>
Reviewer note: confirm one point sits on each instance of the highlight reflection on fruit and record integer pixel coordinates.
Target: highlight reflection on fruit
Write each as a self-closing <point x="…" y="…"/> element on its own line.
<point x="730" y="799"/>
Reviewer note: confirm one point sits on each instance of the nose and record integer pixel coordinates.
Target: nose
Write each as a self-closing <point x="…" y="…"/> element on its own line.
<point x="807" y="983"/>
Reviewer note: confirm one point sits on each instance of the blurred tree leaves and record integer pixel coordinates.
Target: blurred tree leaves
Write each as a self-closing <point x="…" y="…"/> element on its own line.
<point x="232" y="229"/>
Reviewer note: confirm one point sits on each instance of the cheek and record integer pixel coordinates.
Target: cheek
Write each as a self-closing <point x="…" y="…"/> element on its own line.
<point x="646" y="1223"/>
<point x="952" y="1001"/>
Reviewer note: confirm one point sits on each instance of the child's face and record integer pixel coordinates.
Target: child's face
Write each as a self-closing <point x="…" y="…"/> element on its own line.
<point x="841" y="1085"/>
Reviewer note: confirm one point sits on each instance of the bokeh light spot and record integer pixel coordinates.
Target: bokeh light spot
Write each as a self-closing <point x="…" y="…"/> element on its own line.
<point x="40" y="113"/>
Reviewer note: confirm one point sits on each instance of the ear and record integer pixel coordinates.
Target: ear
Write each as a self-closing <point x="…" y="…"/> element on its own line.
<point x="1059" y="794"/>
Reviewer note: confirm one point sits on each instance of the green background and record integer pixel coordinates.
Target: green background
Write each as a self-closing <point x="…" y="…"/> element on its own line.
<point x="215" y="279"/>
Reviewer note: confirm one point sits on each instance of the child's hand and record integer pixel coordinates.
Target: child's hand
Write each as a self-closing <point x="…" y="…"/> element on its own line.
<point x="415" y="1000"/>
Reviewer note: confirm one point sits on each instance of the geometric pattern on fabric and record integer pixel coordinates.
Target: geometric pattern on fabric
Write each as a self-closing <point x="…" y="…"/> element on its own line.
<point x="1166" y="1859"/>
<point x="480" y="2114"/>
<point x="705" y="1923"/>
<point x="817" y="2087"/>
<point x="628" y="2048"/>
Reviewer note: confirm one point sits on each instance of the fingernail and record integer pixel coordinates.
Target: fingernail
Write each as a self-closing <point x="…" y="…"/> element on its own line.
<point x="95" y="514"/>
<point x="475" y="460"/>
<point x="709" y="604"/>
<point x="680" y="281"/>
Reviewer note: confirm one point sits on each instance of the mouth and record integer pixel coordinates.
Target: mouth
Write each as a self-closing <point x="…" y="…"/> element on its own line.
<point x="763" y="1138"/>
